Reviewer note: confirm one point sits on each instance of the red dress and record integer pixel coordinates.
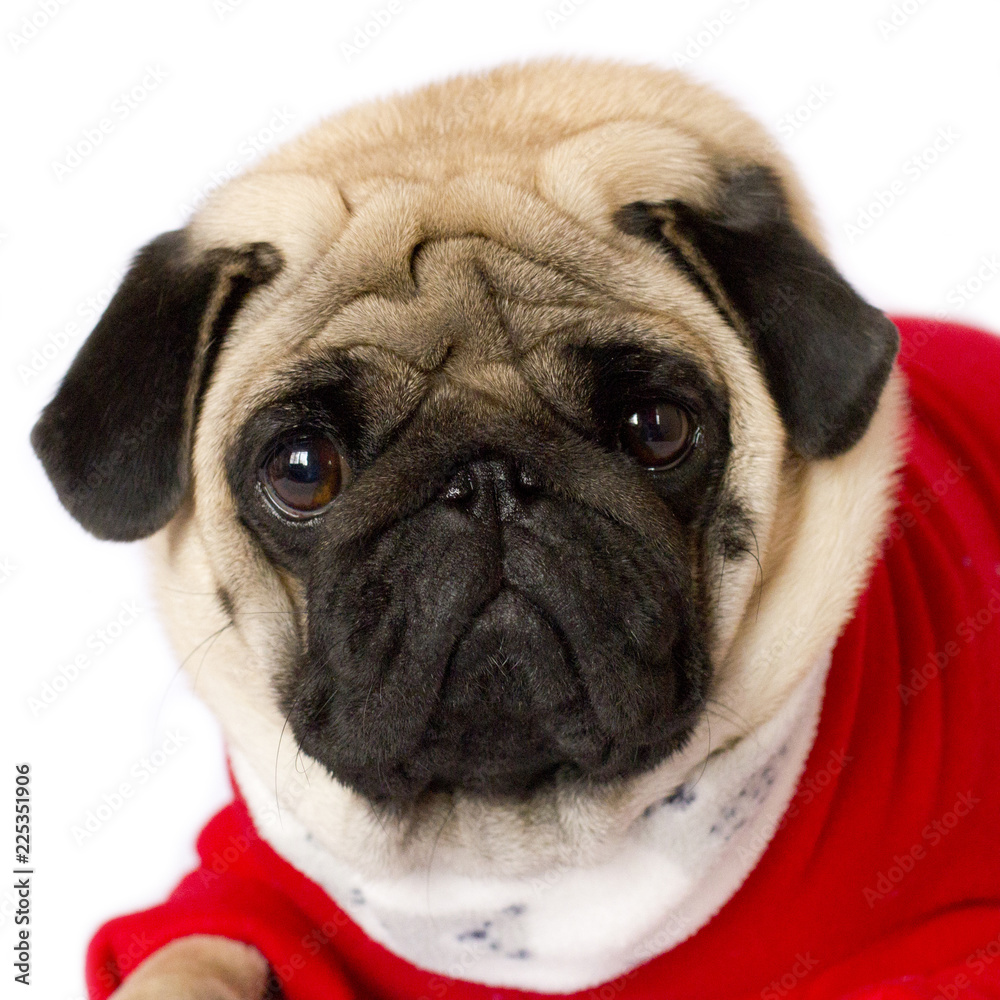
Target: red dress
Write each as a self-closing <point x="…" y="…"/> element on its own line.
<point x="883" y="879"/>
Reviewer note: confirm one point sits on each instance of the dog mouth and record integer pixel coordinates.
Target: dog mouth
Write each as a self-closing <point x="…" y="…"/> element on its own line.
<point x="513" y="657"/>
<point x="523" y="687"/>
<point x="495" y="667"/>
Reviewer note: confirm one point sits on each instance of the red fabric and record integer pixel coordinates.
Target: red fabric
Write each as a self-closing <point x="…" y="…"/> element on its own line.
<point x="883" y="880"/>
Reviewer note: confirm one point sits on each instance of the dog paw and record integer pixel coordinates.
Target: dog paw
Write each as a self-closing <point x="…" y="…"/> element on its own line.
<point x="200" y="967"/>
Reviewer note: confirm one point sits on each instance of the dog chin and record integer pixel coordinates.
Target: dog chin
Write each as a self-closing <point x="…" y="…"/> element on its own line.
<point x="562" y="821"/>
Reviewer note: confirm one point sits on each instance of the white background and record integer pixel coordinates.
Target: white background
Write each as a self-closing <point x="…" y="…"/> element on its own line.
<point x="881" y="93"/>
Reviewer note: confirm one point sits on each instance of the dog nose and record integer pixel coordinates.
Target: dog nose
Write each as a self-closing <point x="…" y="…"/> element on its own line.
<point x="492" y="489"/>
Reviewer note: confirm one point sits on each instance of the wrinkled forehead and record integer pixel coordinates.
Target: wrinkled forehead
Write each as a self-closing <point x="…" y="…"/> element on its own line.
<point x="490" y="274"/>
<point x="477" y="269"/>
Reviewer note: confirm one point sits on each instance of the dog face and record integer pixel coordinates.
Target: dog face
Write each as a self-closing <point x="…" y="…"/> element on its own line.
<point x="503" y="527"/>
<point x="492" y="429"/>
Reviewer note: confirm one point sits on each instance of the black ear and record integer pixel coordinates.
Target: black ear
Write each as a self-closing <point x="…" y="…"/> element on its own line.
<point x="825" y="353"/>
<point x="115" y="440"/>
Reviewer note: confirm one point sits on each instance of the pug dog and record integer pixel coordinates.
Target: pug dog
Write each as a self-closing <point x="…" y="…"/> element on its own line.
<point x="517" y="454"/>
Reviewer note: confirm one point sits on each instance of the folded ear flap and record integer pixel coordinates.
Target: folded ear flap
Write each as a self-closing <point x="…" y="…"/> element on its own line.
<point x="115" y="440"/>
<point x="825" y="353"/>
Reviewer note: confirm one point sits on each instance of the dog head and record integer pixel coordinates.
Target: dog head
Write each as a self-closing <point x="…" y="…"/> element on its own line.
<point x="502" y="430"/>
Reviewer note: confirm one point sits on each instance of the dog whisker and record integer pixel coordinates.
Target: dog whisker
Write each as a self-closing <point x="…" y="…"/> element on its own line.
<point x="180" y="668"/>
<point x="708" y="754"/>
<point x="277" y="756"/>
<point x="434" y="846"/>
<point x="760" y="570"/>
<point x="373" y="809"/>
<point x="734" y="715"/>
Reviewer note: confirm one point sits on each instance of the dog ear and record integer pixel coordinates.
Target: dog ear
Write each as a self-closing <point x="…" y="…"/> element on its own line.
<point x="824" y="351"/>
<point x="115" y="440"/>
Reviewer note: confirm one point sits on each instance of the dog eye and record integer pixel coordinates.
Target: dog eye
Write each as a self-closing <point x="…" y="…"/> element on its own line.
<point x="303" y="475"/>
<point x="658" y="436"/>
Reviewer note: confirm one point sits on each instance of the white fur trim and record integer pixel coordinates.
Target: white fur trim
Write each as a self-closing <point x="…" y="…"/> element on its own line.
<point x="575" y="927"/>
